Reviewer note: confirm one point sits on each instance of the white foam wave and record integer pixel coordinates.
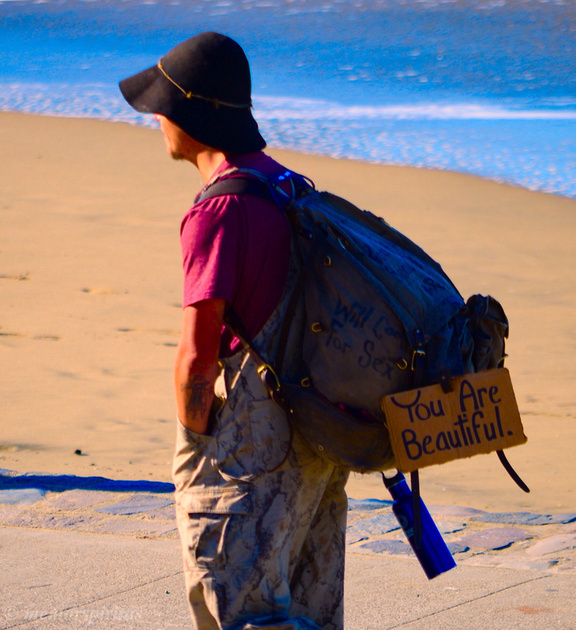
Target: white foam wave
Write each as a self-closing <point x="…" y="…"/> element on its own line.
<point x="306" y="109"/>
<point x="104" y="101"/>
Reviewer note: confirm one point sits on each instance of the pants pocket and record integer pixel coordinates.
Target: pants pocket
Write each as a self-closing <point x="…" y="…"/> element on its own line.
<point x="204" y="538"/>
<point x="212" y="524"/>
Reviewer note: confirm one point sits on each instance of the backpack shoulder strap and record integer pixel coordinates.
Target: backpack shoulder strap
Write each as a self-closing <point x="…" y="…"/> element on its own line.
<point x="279" y="189"/>
<point x="238" y="185"/>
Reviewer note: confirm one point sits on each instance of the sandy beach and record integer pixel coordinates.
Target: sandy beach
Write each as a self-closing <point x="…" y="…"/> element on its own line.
<point x="90" y="302"/>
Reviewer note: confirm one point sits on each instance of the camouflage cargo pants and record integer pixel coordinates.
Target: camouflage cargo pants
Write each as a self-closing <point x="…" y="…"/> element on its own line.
<point x="261" y="518"/>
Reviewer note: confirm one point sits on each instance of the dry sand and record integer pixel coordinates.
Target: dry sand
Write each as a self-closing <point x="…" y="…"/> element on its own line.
<point x="90" y="302"/>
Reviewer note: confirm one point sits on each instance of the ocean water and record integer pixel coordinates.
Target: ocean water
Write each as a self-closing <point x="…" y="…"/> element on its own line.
<point x="479" y="86"/>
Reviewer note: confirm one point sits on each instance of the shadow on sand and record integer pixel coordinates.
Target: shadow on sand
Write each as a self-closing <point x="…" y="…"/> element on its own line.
<point x="60" y="483"/>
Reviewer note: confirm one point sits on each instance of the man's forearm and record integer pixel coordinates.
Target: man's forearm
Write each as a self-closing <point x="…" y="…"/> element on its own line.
<point x="196" y="366"/>
<point x="194" y="388"/>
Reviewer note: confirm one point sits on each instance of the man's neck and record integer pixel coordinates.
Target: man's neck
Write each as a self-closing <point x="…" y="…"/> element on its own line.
<point x="208" y="161"/>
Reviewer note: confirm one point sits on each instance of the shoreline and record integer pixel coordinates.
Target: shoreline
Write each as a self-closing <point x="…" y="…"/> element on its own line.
<point x="306" y="154"/>
<point x="90" y="271"/>
<point x="518" y="176"/>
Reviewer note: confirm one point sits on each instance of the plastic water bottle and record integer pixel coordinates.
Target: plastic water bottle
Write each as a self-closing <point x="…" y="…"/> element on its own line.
<point x="433" y="554"/>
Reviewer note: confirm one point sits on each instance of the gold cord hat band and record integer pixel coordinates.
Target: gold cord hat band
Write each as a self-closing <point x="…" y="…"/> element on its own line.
<point x="191" y="95"/>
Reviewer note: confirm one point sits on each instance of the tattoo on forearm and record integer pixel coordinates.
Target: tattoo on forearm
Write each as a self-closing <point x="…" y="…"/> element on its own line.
<point x="199" y="396"/>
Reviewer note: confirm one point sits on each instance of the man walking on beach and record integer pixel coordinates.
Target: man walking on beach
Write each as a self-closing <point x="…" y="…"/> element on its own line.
<point x="261" y="517"/>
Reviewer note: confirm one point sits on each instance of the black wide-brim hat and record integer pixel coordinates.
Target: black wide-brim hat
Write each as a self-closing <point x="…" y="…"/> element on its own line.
<point x="203" y="85"/>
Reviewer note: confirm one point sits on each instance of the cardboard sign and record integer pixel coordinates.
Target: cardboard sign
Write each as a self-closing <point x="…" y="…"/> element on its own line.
<point x="428" y="426"/>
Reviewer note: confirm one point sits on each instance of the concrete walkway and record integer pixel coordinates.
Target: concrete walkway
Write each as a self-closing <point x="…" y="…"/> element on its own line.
<point x="97" y="553"/>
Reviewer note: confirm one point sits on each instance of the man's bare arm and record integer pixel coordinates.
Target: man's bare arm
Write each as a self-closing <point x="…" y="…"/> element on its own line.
<point x="196" y="365"/>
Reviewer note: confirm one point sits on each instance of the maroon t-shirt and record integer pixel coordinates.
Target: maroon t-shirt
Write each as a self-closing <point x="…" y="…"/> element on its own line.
<point x="237" y="247"/>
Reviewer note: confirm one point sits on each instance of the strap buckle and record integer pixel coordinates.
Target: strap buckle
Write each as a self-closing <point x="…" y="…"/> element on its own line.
<point x="272" y="384"/>
<point x="417" y="354"/>
<point x="269" y="377"/>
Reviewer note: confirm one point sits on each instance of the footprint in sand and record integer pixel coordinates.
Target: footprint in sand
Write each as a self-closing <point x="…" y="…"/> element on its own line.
<point x="155" y="331"/>
<point x="10" y="334"/>
<point x="17" y="276"/>
<point x="35" y="338"/>
<point x="101" y="291"/>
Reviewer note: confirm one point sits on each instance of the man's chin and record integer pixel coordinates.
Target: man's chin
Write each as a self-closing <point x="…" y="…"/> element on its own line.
<point x="177" y="156"/>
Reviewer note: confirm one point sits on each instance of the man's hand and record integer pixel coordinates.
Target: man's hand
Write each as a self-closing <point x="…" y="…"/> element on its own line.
<point x="196" y="365"/>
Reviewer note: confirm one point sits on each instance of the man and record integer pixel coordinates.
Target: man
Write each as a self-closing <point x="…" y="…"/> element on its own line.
<point x="261" y="517"/>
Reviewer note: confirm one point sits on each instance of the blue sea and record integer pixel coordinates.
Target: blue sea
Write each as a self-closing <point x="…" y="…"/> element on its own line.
<point x="479" y="86"/>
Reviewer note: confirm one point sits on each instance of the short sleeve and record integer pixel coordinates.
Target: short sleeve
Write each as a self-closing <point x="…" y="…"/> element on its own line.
<point x="210" y="244"/>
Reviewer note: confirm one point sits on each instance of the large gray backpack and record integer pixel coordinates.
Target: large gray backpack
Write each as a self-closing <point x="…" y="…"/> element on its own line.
<point x="371" y="314"/>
